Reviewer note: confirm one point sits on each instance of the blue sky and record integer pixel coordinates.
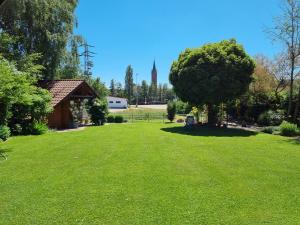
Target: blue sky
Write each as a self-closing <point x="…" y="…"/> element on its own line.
<point x="138" y="31"/>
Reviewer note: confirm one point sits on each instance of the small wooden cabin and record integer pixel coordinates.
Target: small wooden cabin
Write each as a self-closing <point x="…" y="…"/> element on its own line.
<point x="64" y="91"/>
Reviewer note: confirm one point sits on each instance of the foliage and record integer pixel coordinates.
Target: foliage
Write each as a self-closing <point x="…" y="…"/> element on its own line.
<point x="183" y="107"/>
<point x="286" y="31"/>
<point x="70" y="62"/>
<point x="119" y="119"/>
<point x="264" y="80"/>
<point x="97" y="86"/>
<point x="40" y="27"/>
<point x="17" y="129"/>
<point x="98" y="110"/>
<point x="212" y="74"/>
<point x="288" y="129"/>
<point x="129" y="84"/>
<point x="77" y="108"/>
<point x="4" y="132"/>
<point x="36" y="108"/>
<point x="21" y="100"/>
<point x="195" y="113"/>
<point x="112" y="88"/>
<point x="38" y="128"/>
<point x="144" y="91"/>
<point x="271" y="118"/>
<point x="146" y="94"/>
<point x="25" y="62"/>
<point x="7" y="43"/>
<point x="251" y="105"/>
<point x="110" y="119"/>
<point x="269" y="130"/>
<point x="171" y="110"/>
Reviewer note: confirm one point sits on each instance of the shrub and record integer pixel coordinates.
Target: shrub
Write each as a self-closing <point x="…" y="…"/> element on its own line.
<point x="288" y="129"/>
<point x="268" y="130"/>
<point x="195" y="112"/>
<point x="171" y="110"/>
<point x="270" y="118"/>
<point x="4" y="133"/>
<point x="39" y="128"/>
<point x="110" y="119"/>
<point x="98" y="111"/>
<point x="183" y="107"/>
<point x="16" y="129"/>
<point x="119" y="119"/>
<point x="21" y="100"/>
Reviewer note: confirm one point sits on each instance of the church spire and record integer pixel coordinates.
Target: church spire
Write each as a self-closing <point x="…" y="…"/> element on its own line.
<point x="154" y="75"/>
<point x="154" y="66"/>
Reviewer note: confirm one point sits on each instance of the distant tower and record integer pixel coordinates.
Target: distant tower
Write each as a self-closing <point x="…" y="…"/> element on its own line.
<point x="154" y="75"/>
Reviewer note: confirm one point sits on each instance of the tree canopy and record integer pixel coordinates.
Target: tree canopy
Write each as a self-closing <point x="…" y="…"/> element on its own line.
<point x="212" y="74"/>
<point x="43" y="27"/>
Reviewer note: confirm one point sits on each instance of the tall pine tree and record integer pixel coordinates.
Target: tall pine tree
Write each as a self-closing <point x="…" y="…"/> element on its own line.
<point x="129" y="83"/>
<point x="112" y="88"/>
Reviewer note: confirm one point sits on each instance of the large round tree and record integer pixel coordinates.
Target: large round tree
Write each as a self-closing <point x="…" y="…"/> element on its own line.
<point x="212" y="74"/>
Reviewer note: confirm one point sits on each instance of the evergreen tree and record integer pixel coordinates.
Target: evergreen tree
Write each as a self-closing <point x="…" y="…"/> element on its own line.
<point x="153" y="92"/>
<point x="164" y="92"/>
<point x="159" y="93"/>
<point x="129" y="83"/>
<point x="119" y="90"/>
<point x="98" y="87"/>
<point x="144" y="91"/>
<point x="112" y="88"/>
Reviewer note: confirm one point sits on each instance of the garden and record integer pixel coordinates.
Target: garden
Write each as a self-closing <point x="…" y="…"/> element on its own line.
<point x="156" y="173"/>
<point x="225" y="150"/>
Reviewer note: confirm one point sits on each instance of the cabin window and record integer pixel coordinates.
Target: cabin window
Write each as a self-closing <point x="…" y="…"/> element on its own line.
<point x="111" y="101"/>
<point x="118" y="102"/>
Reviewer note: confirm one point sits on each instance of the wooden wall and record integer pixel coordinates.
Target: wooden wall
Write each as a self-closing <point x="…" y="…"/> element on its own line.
<point x="61" y="117"/>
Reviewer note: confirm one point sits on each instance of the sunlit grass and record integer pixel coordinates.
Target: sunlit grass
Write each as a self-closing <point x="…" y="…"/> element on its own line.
<point x="150" y="173"/>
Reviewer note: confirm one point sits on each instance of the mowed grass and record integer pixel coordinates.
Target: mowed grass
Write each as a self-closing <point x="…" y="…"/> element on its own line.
<point x="150" y="174"/>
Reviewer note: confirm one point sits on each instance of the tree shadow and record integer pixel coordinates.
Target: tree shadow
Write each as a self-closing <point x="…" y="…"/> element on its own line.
<point x="210" y="131"/>
<point x="295" y="141"/>
<point x="3" y="153"/>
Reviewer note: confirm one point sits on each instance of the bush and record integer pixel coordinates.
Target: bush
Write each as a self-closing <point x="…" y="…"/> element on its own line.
<point x="119" y="119"/>
<point x="270" y="118"/>
<point x="171" y="110"/>
<point x="182" y="107"/>
<point x="16" y="129"/>
<point x="39" y="128"/>
<point x="98" y="110"/>
<point x="288" y="129"/>
<point x="269" y="130"/>
<point x="110" y="119"/>
<point x="4" y="133"/>
<point x="21" y="100"/>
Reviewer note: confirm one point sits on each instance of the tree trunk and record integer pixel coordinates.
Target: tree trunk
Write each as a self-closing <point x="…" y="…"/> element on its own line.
<point x="289" y="113"/>
<point x="297" y="107"/>
<point x="212" y="115"/>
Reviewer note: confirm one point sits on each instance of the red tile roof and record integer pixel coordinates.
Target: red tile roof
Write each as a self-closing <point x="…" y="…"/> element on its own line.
<point x="60" y="89"/>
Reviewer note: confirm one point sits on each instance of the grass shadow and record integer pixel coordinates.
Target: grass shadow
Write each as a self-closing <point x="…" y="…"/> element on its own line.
<point x="295" y="141"/>
<point x="3" y="153"/>
<point x="210" y="131"/>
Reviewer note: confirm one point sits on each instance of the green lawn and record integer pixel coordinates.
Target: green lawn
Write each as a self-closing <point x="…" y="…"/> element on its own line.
<point x="150" y="173"/>
<point x="142" y="114"/>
